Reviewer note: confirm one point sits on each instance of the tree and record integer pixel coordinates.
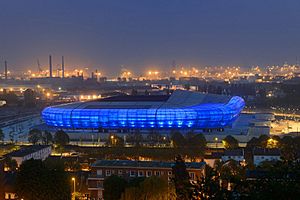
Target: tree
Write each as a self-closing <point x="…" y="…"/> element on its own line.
<point x="61" y="138"/>
<point x="114" y="140"/>
<point x="208" y="186"/>
<point x="134" y="92"/>
<point x="131" y="193"/>
<point x="11" y="164"/>
<point x="40" y="180"/>
<point x="58" y="181"/>
<point x="289" y="148"/>
<point x="195" y="145"/>
<point x="178" y="139"/>
<point x="29" y="180"/>
<point x="150" y="188"/>
<point x="147" y="93"/>
<point x="72" y="165"/>
<point x="1" y="135"/>
<point x="232" y="172"/>
<point x="34" y="136"/>
<point x="280" y="181"/>
<point x="252" y="143"/>
<point x="230" y="142"/>
<point x="136" y="138"/>
<point x="114" y="186"/>
<point x="181" y="180"/>
<point x="155" y="188"/>
<point x="198" y="141"/>
<point x="154" y="137"/>
<point x="187" y="86"/>
<point x="189" y="138"/>
<point x="262" y="141"/>
<point x="47" y="137"/>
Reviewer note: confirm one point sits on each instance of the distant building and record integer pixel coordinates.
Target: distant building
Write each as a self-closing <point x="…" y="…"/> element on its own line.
<point x="130" y="169"/>
<point x="246" y="126"/>
<point x="263" y="154"/>
<point x="36" y="152"/>
<point x="234" y="154"/>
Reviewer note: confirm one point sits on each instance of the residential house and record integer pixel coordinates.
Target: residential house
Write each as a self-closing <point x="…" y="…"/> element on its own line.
<point x="130" y="169"/>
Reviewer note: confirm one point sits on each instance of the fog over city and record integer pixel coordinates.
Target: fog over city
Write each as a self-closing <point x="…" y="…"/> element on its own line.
<point x="139" y="33"/>
<point x="149" y="99"/>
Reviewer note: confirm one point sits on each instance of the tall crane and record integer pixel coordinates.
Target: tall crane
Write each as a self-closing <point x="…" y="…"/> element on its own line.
<point x="39" y="66"/>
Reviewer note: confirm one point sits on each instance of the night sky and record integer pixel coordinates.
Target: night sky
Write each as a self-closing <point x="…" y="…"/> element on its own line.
<point x="140" y="34"/>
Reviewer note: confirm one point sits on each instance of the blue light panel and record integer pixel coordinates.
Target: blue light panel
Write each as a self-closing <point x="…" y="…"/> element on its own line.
<point x="212" y="115"/>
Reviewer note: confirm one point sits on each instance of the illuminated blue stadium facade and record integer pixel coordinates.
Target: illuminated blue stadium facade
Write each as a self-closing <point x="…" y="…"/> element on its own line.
<point x="182" y="109"/>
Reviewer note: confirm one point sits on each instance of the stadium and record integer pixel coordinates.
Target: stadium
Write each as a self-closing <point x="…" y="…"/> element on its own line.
<point x="181" y="109"/>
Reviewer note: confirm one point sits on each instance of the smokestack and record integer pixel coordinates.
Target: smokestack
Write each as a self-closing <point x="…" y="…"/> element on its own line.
<point x="50" y="66"/>
<point x="5" y="69"/>
<point x="63" y="66"/>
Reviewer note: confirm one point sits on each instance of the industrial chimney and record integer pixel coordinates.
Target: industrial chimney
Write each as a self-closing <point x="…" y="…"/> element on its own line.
<point x="63" y="66"/>
<point x="5" y="69"/>
<point x="50" y="66"/>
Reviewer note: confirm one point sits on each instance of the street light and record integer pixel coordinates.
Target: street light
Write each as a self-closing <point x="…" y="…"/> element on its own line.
<point x="73" y="179"/>
<point x="216" y="139"/>
<point x="113" y="140"/>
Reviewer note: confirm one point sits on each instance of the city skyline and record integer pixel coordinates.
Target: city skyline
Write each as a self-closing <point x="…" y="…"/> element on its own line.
<point x="106" y="35"/>
<point x="149" y="99"/>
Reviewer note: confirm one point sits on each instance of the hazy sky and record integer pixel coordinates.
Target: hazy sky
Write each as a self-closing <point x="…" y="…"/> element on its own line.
<point x="106" y="34"/>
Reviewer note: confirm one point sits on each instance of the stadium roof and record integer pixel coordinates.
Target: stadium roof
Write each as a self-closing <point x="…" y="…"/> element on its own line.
<point x="182" y="109"/>
<point x="178" y="99"/>
<point x="122" y="98"/>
